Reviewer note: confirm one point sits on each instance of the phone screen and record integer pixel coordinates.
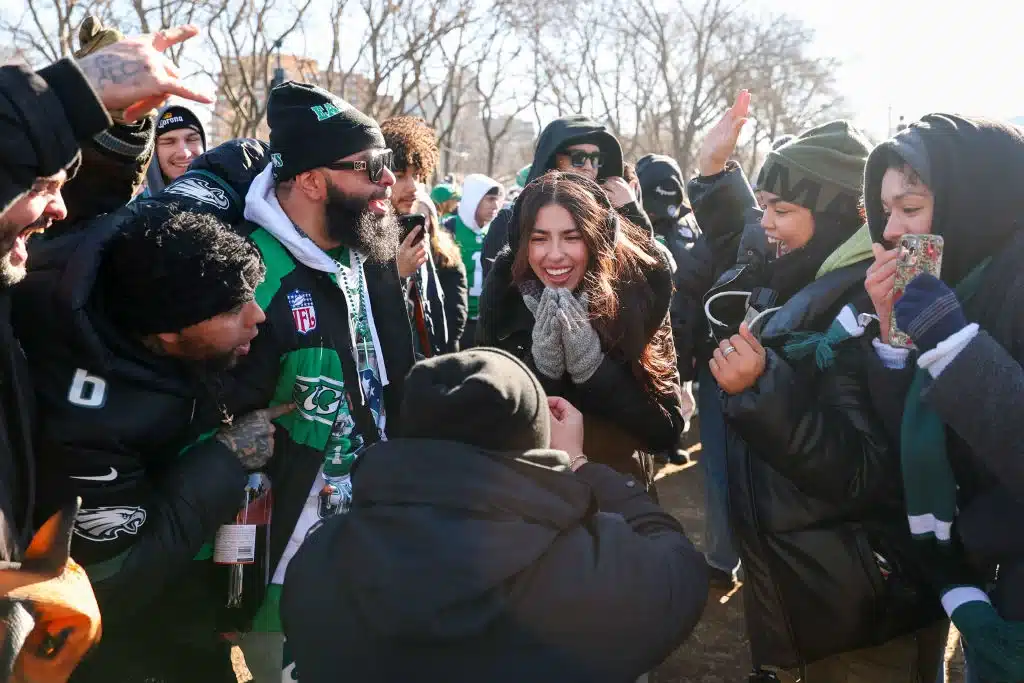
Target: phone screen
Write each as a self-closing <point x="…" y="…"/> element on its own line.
<point x="917" y="254"/>
<point x="410" y="222"/>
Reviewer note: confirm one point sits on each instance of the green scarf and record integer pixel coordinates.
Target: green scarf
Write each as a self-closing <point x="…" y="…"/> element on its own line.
<point x="997" y="646"/>
<point x="928" y="481"/>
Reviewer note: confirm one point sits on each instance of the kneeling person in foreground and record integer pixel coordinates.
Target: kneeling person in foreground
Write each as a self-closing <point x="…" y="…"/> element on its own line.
<point x="490" y="549"/>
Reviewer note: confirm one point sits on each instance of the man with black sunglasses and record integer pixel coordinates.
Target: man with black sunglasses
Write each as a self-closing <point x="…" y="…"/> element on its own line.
<point x="574" y="144"/>
<point x="337" y="339"/>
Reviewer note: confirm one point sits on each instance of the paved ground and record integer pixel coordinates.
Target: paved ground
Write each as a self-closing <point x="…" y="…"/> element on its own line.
<point x="717" y="650"/>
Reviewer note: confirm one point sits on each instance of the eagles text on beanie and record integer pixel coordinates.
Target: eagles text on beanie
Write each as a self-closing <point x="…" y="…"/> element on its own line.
<point x="310" y="127"/>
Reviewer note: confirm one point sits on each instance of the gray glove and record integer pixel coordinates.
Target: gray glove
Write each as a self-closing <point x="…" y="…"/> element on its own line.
<point x="579" y="338"/>
<point x="548" y="355"/>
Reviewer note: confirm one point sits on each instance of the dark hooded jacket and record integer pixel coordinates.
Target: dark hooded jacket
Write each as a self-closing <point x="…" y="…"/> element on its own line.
<point x="675" y="226"/>
<point x="625" y="423"/>
<point x="557" y="135"/>
<point x="457" y="564"/>
<point x="975" y="170"/>
<point x="814" y="492"/>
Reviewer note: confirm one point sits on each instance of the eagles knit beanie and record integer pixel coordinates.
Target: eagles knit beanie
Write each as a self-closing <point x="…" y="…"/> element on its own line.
<point x="484" y="397"/>
<point x="310" y="127"/>
<point x="821" y="169"/>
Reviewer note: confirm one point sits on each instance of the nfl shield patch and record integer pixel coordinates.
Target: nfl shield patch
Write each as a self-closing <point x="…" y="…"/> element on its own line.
<point x="303" y="313"/>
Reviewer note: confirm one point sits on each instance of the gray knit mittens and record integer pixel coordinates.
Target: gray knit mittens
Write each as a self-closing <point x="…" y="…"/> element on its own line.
<point x="548" y="355"/>
<point x="579" y="339"/>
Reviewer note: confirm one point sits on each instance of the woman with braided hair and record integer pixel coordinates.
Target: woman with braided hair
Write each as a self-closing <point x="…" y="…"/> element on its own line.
<point x="581" y="295"/>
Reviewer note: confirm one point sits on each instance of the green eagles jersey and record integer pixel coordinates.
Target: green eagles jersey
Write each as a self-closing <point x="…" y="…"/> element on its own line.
<point x="471" y="245"/>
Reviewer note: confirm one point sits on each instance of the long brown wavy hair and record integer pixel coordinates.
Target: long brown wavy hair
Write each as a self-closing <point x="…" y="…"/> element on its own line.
<point x="617" y="281"/>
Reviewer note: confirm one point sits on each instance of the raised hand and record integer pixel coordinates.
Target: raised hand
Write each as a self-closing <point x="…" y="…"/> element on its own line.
<point x="720" y="142"/>
<point x="251" y="438"/>
<point x="134" y="74"/>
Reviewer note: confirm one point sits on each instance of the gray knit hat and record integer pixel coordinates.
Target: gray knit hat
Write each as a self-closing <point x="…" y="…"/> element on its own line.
<point x="822" y="169"/>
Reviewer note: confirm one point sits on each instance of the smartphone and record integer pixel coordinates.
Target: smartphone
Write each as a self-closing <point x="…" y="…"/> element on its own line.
<point x="410" y="222"/>
<point x="917" y="254"/>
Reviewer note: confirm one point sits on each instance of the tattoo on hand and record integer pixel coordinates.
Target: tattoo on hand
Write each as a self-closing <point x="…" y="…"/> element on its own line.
<point x="251" y="439"/>
<point x="105" y="70"/>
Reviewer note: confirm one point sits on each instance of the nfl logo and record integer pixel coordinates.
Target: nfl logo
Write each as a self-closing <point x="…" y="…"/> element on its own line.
<point x="303" y="312"/>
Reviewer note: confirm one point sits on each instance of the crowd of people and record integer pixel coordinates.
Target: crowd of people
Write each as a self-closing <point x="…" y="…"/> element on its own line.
<point x="456" y="394"/>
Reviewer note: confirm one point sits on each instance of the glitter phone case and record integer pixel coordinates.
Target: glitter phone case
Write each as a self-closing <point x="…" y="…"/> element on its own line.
<point x="917" y="254"/>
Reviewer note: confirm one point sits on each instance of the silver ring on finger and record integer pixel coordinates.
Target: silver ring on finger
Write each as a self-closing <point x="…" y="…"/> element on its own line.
<point x="727" y="350"/>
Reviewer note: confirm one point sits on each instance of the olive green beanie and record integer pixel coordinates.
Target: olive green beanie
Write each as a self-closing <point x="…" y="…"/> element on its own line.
<point x="821" y="169"/>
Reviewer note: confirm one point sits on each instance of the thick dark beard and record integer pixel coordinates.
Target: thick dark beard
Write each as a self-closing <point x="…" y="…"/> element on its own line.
<point x="351" y="223"/>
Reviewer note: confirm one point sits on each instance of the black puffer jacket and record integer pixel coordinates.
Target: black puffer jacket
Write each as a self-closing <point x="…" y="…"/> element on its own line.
<point x="815" y="502"/>
<point x="116" y="421"/>
<point x="624" y="423"/>
<point x="532" y="574"/>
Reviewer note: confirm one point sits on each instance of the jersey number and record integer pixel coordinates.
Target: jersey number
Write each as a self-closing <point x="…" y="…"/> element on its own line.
<point x="87" y="391"/>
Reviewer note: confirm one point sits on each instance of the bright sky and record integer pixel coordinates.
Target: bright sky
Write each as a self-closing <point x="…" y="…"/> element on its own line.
<point x="920" y="56"/>
<point x="966" y="57"/>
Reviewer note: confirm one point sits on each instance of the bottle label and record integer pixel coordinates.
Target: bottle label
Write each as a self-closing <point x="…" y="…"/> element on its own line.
<point x="235" y="544"/>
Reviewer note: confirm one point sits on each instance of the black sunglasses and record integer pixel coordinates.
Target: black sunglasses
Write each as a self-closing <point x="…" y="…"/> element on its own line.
<point x="374" y="166"/>
<point x="579" y="159"/>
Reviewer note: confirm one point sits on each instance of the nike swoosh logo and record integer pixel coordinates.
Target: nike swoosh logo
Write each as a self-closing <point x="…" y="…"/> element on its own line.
<point x="103" y="477"/>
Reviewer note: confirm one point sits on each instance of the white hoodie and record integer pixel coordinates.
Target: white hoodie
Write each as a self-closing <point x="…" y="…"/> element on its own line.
<point x="262" y="208"/>
<point x="474" y="188"/>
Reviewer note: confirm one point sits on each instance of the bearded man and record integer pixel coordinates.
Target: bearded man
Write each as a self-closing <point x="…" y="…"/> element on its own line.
<point x="337" y="340"/>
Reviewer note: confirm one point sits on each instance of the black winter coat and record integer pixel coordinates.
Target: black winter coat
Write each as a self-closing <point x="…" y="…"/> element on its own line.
<point x="460" y="565"/>
<point x="976" y="167"/>
<point x="624" y="423"/>
<point x="43" y="116"/>
<point x="117" y="428"/>
<point x="814" y="482"/>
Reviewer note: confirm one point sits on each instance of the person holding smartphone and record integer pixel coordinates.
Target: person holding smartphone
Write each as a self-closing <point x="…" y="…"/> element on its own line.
<point x="832" y="591"/>
<point x="953" y="402"/>
<point x="438" y="309"/>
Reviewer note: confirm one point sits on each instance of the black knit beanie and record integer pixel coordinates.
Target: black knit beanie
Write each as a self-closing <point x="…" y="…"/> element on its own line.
<point x="176" y="118"/>
<point x="310" y="127"/>
<point x="169" y="269"/>
<point x="484" y="397"/>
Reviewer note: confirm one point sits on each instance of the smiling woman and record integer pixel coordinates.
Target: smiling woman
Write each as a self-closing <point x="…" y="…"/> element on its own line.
<point x="581" y="295"/>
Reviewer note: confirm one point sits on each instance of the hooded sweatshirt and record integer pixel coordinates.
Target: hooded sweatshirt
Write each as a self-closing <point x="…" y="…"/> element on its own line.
<point x="559" y="134"/>
<point x="320" y="349"/>
<point x="470" y="236"/>
<point x="155" y="182"/>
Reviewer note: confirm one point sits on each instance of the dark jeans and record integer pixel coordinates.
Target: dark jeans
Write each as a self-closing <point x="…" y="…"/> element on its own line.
<point x="718" y="544"/>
